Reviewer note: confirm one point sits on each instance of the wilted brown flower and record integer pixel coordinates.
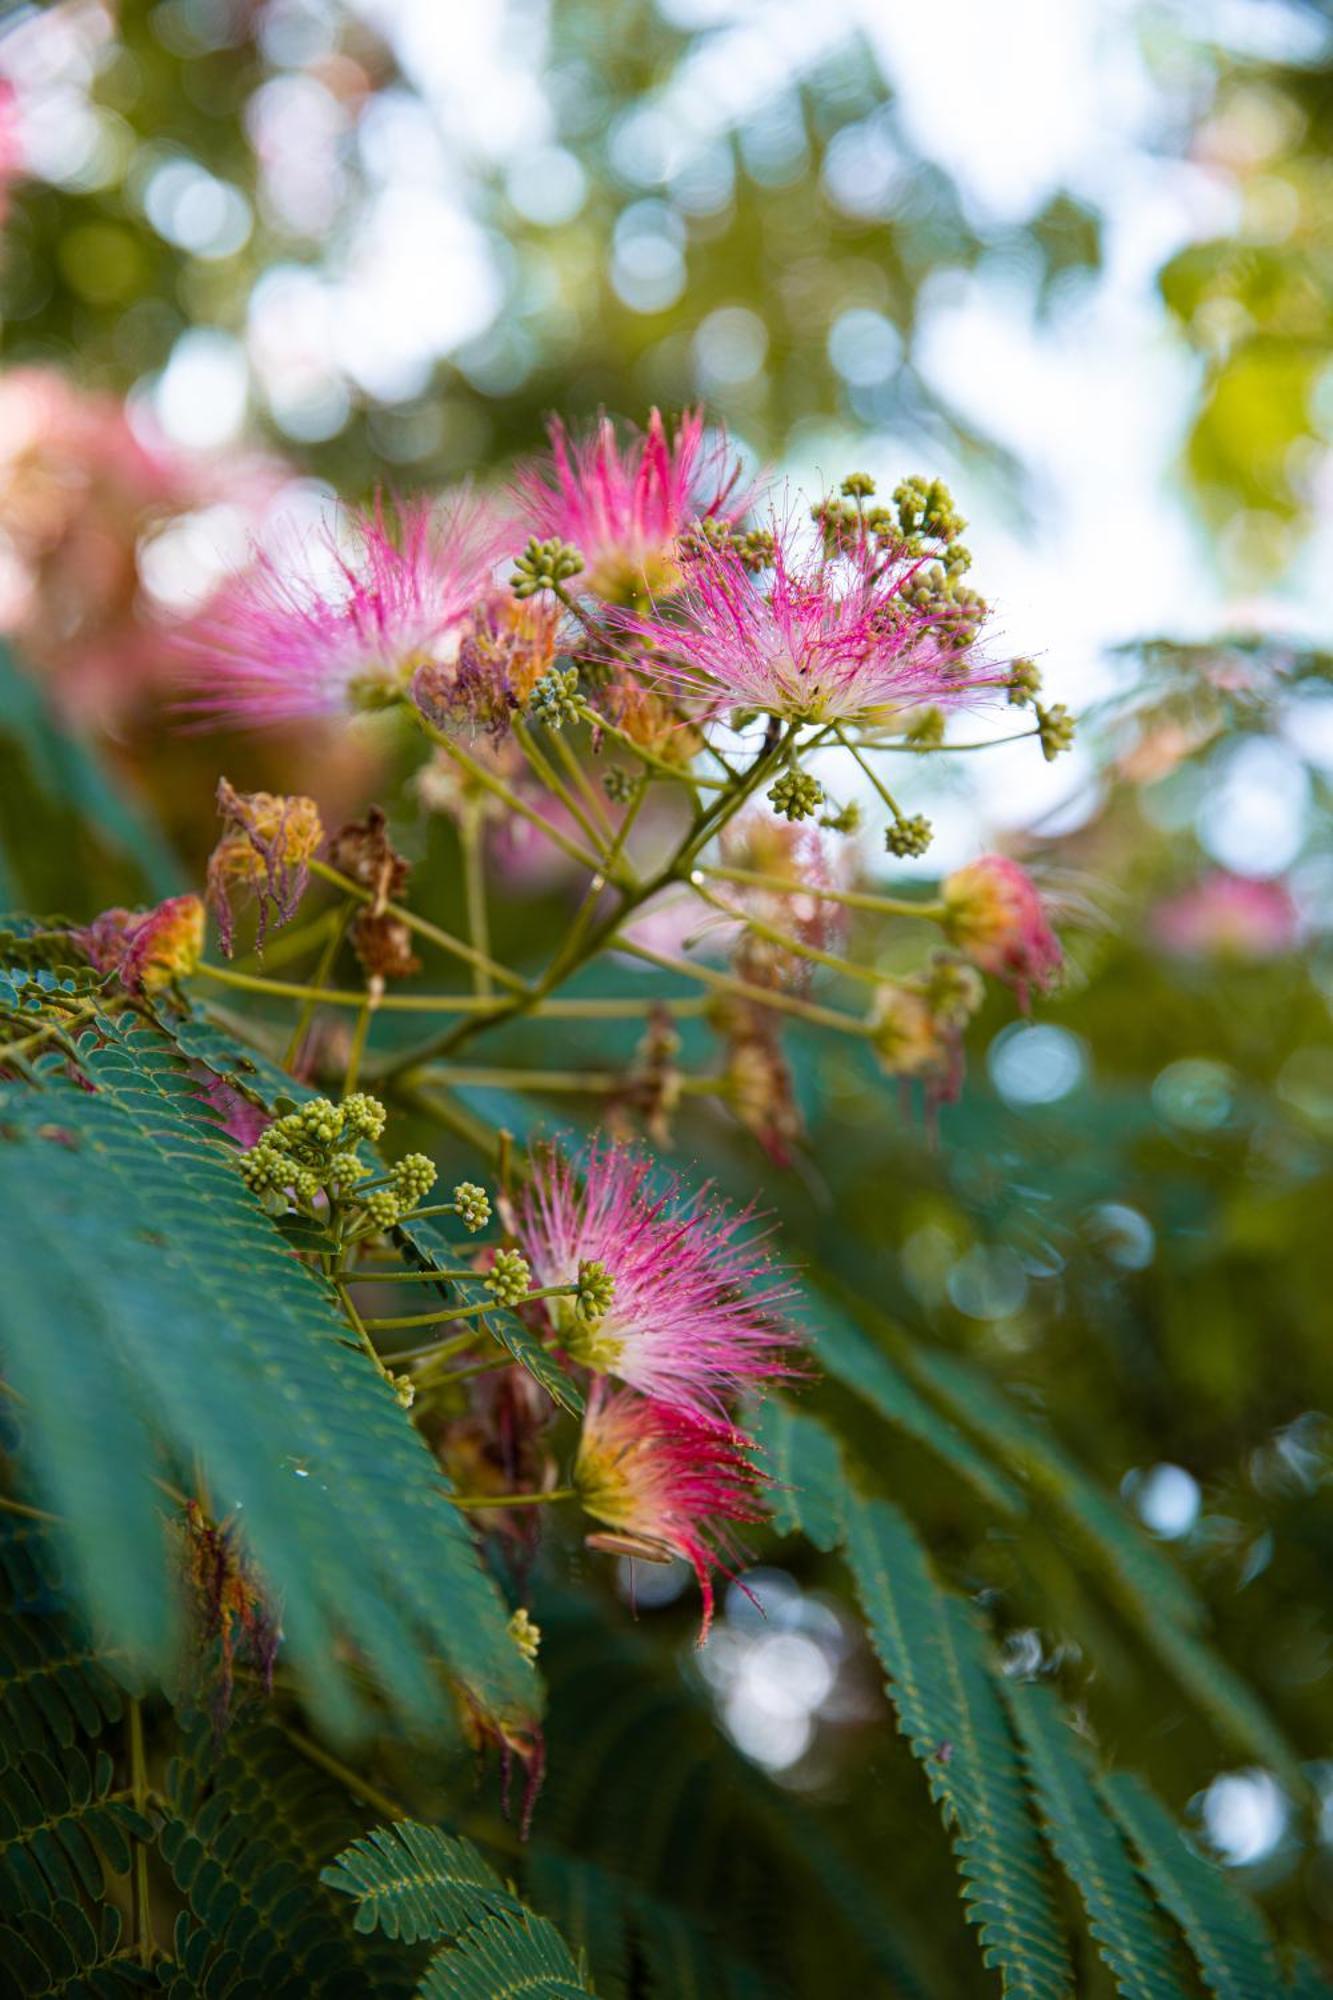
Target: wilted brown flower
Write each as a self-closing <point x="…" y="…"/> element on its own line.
<point x="267" y="843"/>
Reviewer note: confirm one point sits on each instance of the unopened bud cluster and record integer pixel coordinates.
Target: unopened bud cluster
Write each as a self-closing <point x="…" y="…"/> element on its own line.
<point x="597" y="1290"/>
<point x="796" y="795"/>
<point x="544" y="566"/>
<point x="311" y="1153"/>
<point x="753" y="548"/>
<point x="910" y="834"/>
<point x="472" y="1205"/>
<point x="556" y="699"/>
<point x="509" y="1279"/>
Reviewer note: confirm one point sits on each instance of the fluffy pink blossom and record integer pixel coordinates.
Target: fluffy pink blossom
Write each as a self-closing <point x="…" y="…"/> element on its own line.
<point x="820" y="638"/>
<point x="623" y="506"/>
<point x="994" y="914"/>
<point x="343" y="622"/>
<point x="665" y="1485"/>
<point x="694" y="1318"/>
<point x="1229" y="916"/>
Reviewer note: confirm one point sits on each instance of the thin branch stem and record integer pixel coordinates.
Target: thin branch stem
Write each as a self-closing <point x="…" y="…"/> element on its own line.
<point x="472" y="1500"/>
<point x="423" y="928"/>
<point x="343" y="918"/>
<point x="145" y="1948"/>
<point x="506" y="795"/>
<point x="474" y="891"/>
<point x="331" y="996"/>
<point x="762" y="996"/>
<point x="852" y="899"/>
<point x="785" y="942"/>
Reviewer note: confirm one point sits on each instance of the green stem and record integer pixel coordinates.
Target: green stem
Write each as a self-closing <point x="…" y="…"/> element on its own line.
<point x="594" y="1082"/>
<point x="330" y="996"/>
<point x="450" y="1313"/>
<point x="785" y="942"/>
<point x="358" y="1048"/>
<point x="886" y="795"/>
<point x="591" y="797"/>
<point x="557" y="787"/>
<point x="513" y="1499"/>
<point x="506" y="795"/>
<point x="146" y="1949"/>
<point x="678" y="772"/>
<point x="761" y="996"/>
<point x="474" y="891"/>
<point x="362" y="1326"/>
<point x="886" y="906"/>
<point x="423" y="928"/>
<point x="342" y="918"/>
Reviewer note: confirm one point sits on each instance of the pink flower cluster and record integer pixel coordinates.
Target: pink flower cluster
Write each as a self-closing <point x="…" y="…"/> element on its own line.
<point x="694" y="1321"/>
<point x="822" y="638"/>
<point x="994" y="914"/>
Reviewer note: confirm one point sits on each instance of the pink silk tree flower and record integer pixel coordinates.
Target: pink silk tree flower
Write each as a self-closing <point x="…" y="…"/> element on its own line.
<point x="665" y="1485"/>
<point x="624" y="506"/>
<point x="343" y="622"/>
<point x="1229" y="916"/>
<point x="693" y="1317"/>
<point x="994" y="914"/>
<point x="821" y="638"/>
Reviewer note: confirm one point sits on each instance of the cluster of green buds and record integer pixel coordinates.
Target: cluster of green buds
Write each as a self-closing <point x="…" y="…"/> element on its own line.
<point x="909" y="834"/>
<point x="310" y="1153"/>
<point x="509" y="1279"/>
<point x="544" y="566"/>
<point x="926" y="729"/>
<point x="847" y="819"/>
<point x="796" y="795"/>
<point x="526" y="1634"/>
<point x="597" y="1290"/>
<point x="752" y="547"/>
<point x="619" y="784"/>
<point x="920" y="520"/>
<point x="556" y="700"/>
<point x="311" y="1150"/>
<point x="955" y="611"/>
<point x="1055" y="729"/>
<point x="472" y="1206"/>
<point x="1024" y="683"/>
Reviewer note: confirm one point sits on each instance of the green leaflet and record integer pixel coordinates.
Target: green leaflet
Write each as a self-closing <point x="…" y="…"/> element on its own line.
<point x="153" y="1299"/>
<point x="850" y="1357"/>
<point x="950" y="1710"/>
<point x="802" y="1459"/>
<point x="1154" y="1592"/>
<point x="1091" y="1849"/>
<point x="416" y="1882"/>
<point x="1223" y="1929"/>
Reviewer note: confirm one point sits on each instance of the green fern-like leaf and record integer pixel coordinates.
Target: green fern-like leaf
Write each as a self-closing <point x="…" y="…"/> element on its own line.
<point x="417" y="1882"/>
<point x="1091" y="1849"/>
<point x="1153" y="1591"/>
<point x="850" y="1357"/>
<point x="802" y="1459"/>
<point x="152" y="1300"/>
<point x="1222" y="1927"/>
<point x="951" y="1712"/>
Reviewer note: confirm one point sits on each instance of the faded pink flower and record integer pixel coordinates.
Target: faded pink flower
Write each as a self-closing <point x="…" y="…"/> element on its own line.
<point x="502" y="651"/>
<point x="146" y="949"/>
<point x="1229" y="916"/>
<point x="694" y="1317"/>
<point x="623" y="506"/>
<point x="821" y="638"/>
<point x="343" y="623"/>
<point x="665" y="1485"/>
<point x="268" y="841"/>
<point x="994" y="914"/>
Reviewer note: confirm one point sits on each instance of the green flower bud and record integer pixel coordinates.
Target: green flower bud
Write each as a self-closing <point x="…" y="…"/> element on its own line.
<point x="383" y="1207"/>
<point x="597" y="1289"/>
<point x="526" y="1634"/>
<point x="473" y="1205"/>
<point x="543" y="565"/>
<point x="413" y="1178"/>
<point x="509" y="1278"/>
<point x="909" y="835"/>
<point x="556" y="700"/>
<point x="1055" y="728"/>
<point x="1024" y="682"/>
<point x="364" y="1116"/>
<point x="796" y="795"/>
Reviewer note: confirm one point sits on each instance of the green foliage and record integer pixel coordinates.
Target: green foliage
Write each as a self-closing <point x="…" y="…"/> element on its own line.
<point x="415" y="1883"/>
<point x="143" y="1224"/>
<point x="1224" y="1931"/>
<point x="1090" y="1848"/>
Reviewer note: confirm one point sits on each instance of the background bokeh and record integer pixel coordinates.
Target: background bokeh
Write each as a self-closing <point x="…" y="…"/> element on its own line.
<point x="1076" y="255"/>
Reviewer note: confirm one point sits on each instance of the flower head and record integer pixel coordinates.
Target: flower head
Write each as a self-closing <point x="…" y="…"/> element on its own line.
<point x="693" y="1317"/>
<point x="147" y="949"/>
<point x="268" y="840"/>
<point x="994" y="913"/>
<point x="344" y="621"/>
<point x="665" y="1484"/>
<point x="826" y="636"/>
<point x="624" y="506"/>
